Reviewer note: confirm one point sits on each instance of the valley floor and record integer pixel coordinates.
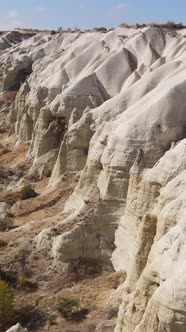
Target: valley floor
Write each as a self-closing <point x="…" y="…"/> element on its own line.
<point x="36" y="280"/>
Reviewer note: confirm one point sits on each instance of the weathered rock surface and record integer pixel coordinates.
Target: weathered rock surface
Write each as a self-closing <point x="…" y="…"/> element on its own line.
<point x="4" y="216"/>
<point x="17" y="328"/>
<point x="111" y="108"/>
<point x="12" y="38"/>
<point x="151" y="246"/>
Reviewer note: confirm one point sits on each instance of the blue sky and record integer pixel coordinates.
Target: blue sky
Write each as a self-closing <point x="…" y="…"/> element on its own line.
<point x="50" y="14"/>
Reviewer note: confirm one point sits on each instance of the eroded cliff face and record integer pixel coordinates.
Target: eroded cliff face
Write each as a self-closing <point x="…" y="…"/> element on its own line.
<point x="109" y="109"/>
<point x="150" y="245"/>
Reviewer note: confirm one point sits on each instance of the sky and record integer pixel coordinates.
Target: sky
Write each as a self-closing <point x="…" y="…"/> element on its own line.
<point x="84" y="14"/>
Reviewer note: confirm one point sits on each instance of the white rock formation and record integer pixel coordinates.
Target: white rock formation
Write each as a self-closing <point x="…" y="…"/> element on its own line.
<point x="4" y="217"/>
<point x="112" y="108"/>
<point x="11" y="38"/>
<point x="151" y="247"/>
<point x="17" y="328"/>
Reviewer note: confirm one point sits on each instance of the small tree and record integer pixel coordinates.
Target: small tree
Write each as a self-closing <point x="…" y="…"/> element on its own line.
<point x="76" y="28"/>
<point x="170" y="24"/>
<point x="6" y="303"/>
<point x="60" y="29"/>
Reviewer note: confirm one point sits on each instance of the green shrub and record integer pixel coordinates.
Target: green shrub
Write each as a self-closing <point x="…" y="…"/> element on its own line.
<point x="53" y="32"/>
<point x="2" y="244"/>
<point x="70" y="309"/>
<point x="25" y="284"/>
<point x="124" y="25"/>
<point x="67" y="307"/>
<point x="47" y="172"/>
<point x="100" y="29"/>
<point x="6" y="303"/>
<point x="167" y="25"/>
<point x="52" y="320"/>
<point x="27" y="192"/>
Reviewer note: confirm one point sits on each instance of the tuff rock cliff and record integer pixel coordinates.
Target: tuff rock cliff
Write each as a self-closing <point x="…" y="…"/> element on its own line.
<point x="109" y="109"/>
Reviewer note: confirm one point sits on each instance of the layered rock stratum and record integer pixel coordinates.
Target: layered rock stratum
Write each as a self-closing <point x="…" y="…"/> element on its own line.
<point x="108" y="110"/>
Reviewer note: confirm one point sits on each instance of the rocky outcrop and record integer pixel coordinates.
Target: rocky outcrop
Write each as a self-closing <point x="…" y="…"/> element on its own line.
<point x="111" y="110"/>
<point x="17" y="328"/>
<point x="12" y="38"/>
<point x="5" y="220"/>
<point x="150" y="247"/>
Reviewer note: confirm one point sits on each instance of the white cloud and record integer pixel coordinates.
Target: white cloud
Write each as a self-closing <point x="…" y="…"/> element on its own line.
<point x="11" y="20"/>
<point x="120" y="5"/>
<point x="13" y="13"/>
